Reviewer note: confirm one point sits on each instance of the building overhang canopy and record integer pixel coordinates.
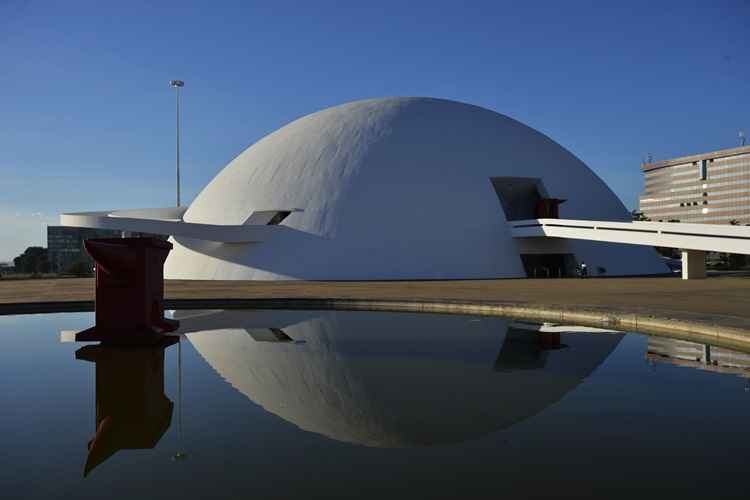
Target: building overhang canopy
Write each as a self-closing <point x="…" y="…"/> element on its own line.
<point x="259" y="226"/>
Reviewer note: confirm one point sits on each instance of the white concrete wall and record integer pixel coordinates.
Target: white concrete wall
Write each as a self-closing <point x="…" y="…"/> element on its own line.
<point x="393" y="188"/>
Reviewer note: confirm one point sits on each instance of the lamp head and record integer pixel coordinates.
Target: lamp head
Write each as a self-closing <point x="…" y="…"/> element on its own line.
<point x="176" y="83"/>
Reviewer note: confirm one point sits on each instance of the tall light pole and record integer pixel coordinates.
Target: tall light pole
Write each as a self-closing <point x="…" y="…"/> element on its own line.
<point x="177" y="84"/>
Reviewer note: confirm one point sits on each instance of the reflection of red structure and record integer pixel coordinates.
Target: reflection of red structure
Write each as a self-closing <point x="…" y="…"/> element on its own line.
<point x="548" y="208"/>
<point x="132" y="411"/>
<point x="129" y="290"/>
<point x="549" y="341"/>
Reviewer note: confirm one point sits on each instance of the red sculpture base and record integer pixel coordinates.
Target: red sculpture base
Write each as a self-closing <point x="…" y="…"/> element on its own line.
<point x="129" y="291"/>
<point x="131" y="336"/>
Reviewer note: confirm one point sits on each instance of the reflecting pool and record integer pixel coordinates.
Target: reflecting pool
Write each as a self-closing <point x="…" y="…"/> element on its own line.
<point x="325" y="404"/>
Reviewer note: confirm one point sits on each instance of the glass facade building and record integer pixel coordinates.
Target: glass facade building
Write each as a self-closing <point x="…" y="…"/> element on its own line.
<point x="65" y="245"/>
<point x="711" y="188"/>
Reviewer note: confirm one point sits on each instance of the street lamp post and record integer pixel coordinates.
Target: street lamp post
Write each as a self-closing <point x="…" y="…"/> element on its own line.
<point x="177" y="84"/>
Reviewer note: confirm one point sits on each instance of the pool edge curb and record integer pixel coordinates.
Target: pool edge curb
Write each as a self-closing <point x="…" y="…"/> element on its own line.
<point x="583" y="315"/>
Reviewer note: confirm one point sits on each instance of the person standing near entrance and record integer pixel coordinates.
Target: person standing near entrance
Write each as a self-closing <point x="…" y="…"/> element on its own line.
<point x="584" y="270"/>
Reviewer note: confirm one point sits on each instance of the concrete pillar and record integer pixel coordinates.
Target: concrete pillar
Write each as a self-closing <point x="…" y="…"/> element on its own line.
<point x="693" y="264"/>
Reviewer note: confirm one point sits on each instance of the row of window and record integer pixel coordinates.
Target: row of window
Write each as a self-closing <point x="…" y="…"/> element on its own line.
<point x="736" y="202"/>
<point x="714" y="192"/>
<point x="742" y="157"/>
<point x="739" y="199"/>
<point x="718" y="213"/>
<point x="668" y="174"/>
<point x="736" y="172"/>
<point x="708" y="220"/>
<point x="738" y="181"/>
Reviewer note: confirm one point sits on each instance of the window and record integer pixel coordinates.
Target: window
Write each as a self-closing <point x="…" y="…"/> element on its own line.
<point x="280" y="216"/>
<point x="268" y="217"/>
<point x="703" y="170"/>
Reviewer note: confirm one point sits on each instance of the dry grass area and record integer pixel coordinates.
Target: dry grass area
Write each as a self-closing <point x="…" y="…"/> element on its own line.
<point x="718" y="296"/>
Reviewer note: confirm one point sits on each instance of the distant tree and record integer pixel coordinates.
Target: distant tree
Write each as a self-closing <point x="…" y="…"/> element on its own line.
<point x="736" y="261"/>
<point x="639" y="216"/>
<point x="669" y="252"/>
<point x="80" y="268"/>
<point x="33" y="260"/>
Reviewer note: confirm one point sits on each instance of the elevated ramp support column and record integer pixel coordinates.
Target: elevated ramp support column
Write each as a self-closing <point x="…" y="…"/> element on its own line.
<point x="693" y="264"/>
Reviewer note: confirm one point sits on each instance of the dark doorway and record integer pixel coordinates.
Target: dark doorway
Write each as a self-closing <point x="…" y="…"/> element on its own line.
<point x="549" y="265"/>
<point x="519" y="196"/>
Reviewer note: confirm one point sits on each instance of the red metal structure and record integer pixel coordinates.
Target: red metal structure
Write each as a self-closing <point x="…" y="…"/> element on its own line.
<point x="548" y="208"/>
<point x="129" y="290"/>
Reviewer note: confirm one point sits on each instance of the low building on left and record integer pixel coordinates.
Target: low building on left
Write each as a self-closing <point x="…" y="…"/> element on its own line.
<point x="65" y="247"/>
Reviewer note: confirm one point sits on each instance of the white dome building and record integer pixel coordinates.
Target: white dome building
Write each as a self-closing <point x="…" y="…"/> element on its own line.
<point x="400" y="188"/>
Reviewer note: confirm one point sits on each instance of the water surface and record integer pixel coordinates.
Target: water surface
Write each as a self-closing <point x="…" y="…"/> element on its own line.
<point x="322" y="404"/>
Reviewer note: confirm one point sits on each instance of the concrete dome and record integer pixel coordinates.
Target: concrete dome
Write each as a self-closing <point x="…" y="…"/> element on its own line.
<point x="396" y="188"/>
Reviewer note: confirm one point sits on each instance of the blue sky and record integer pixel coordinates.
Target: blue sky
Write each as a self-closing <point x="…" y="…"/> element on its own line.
<point x="87" y="117"/>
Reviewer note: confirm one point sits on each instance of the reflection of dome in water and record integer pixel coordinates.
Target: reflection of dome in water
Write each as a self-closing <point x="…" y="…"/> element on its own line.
<point x="395" y="380"/>
<point x="398" y="188"/>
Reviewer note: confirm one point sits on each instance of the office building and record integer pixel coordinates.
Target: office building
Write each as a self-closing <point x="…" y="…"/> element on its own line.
<point x="711" y="188"/>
